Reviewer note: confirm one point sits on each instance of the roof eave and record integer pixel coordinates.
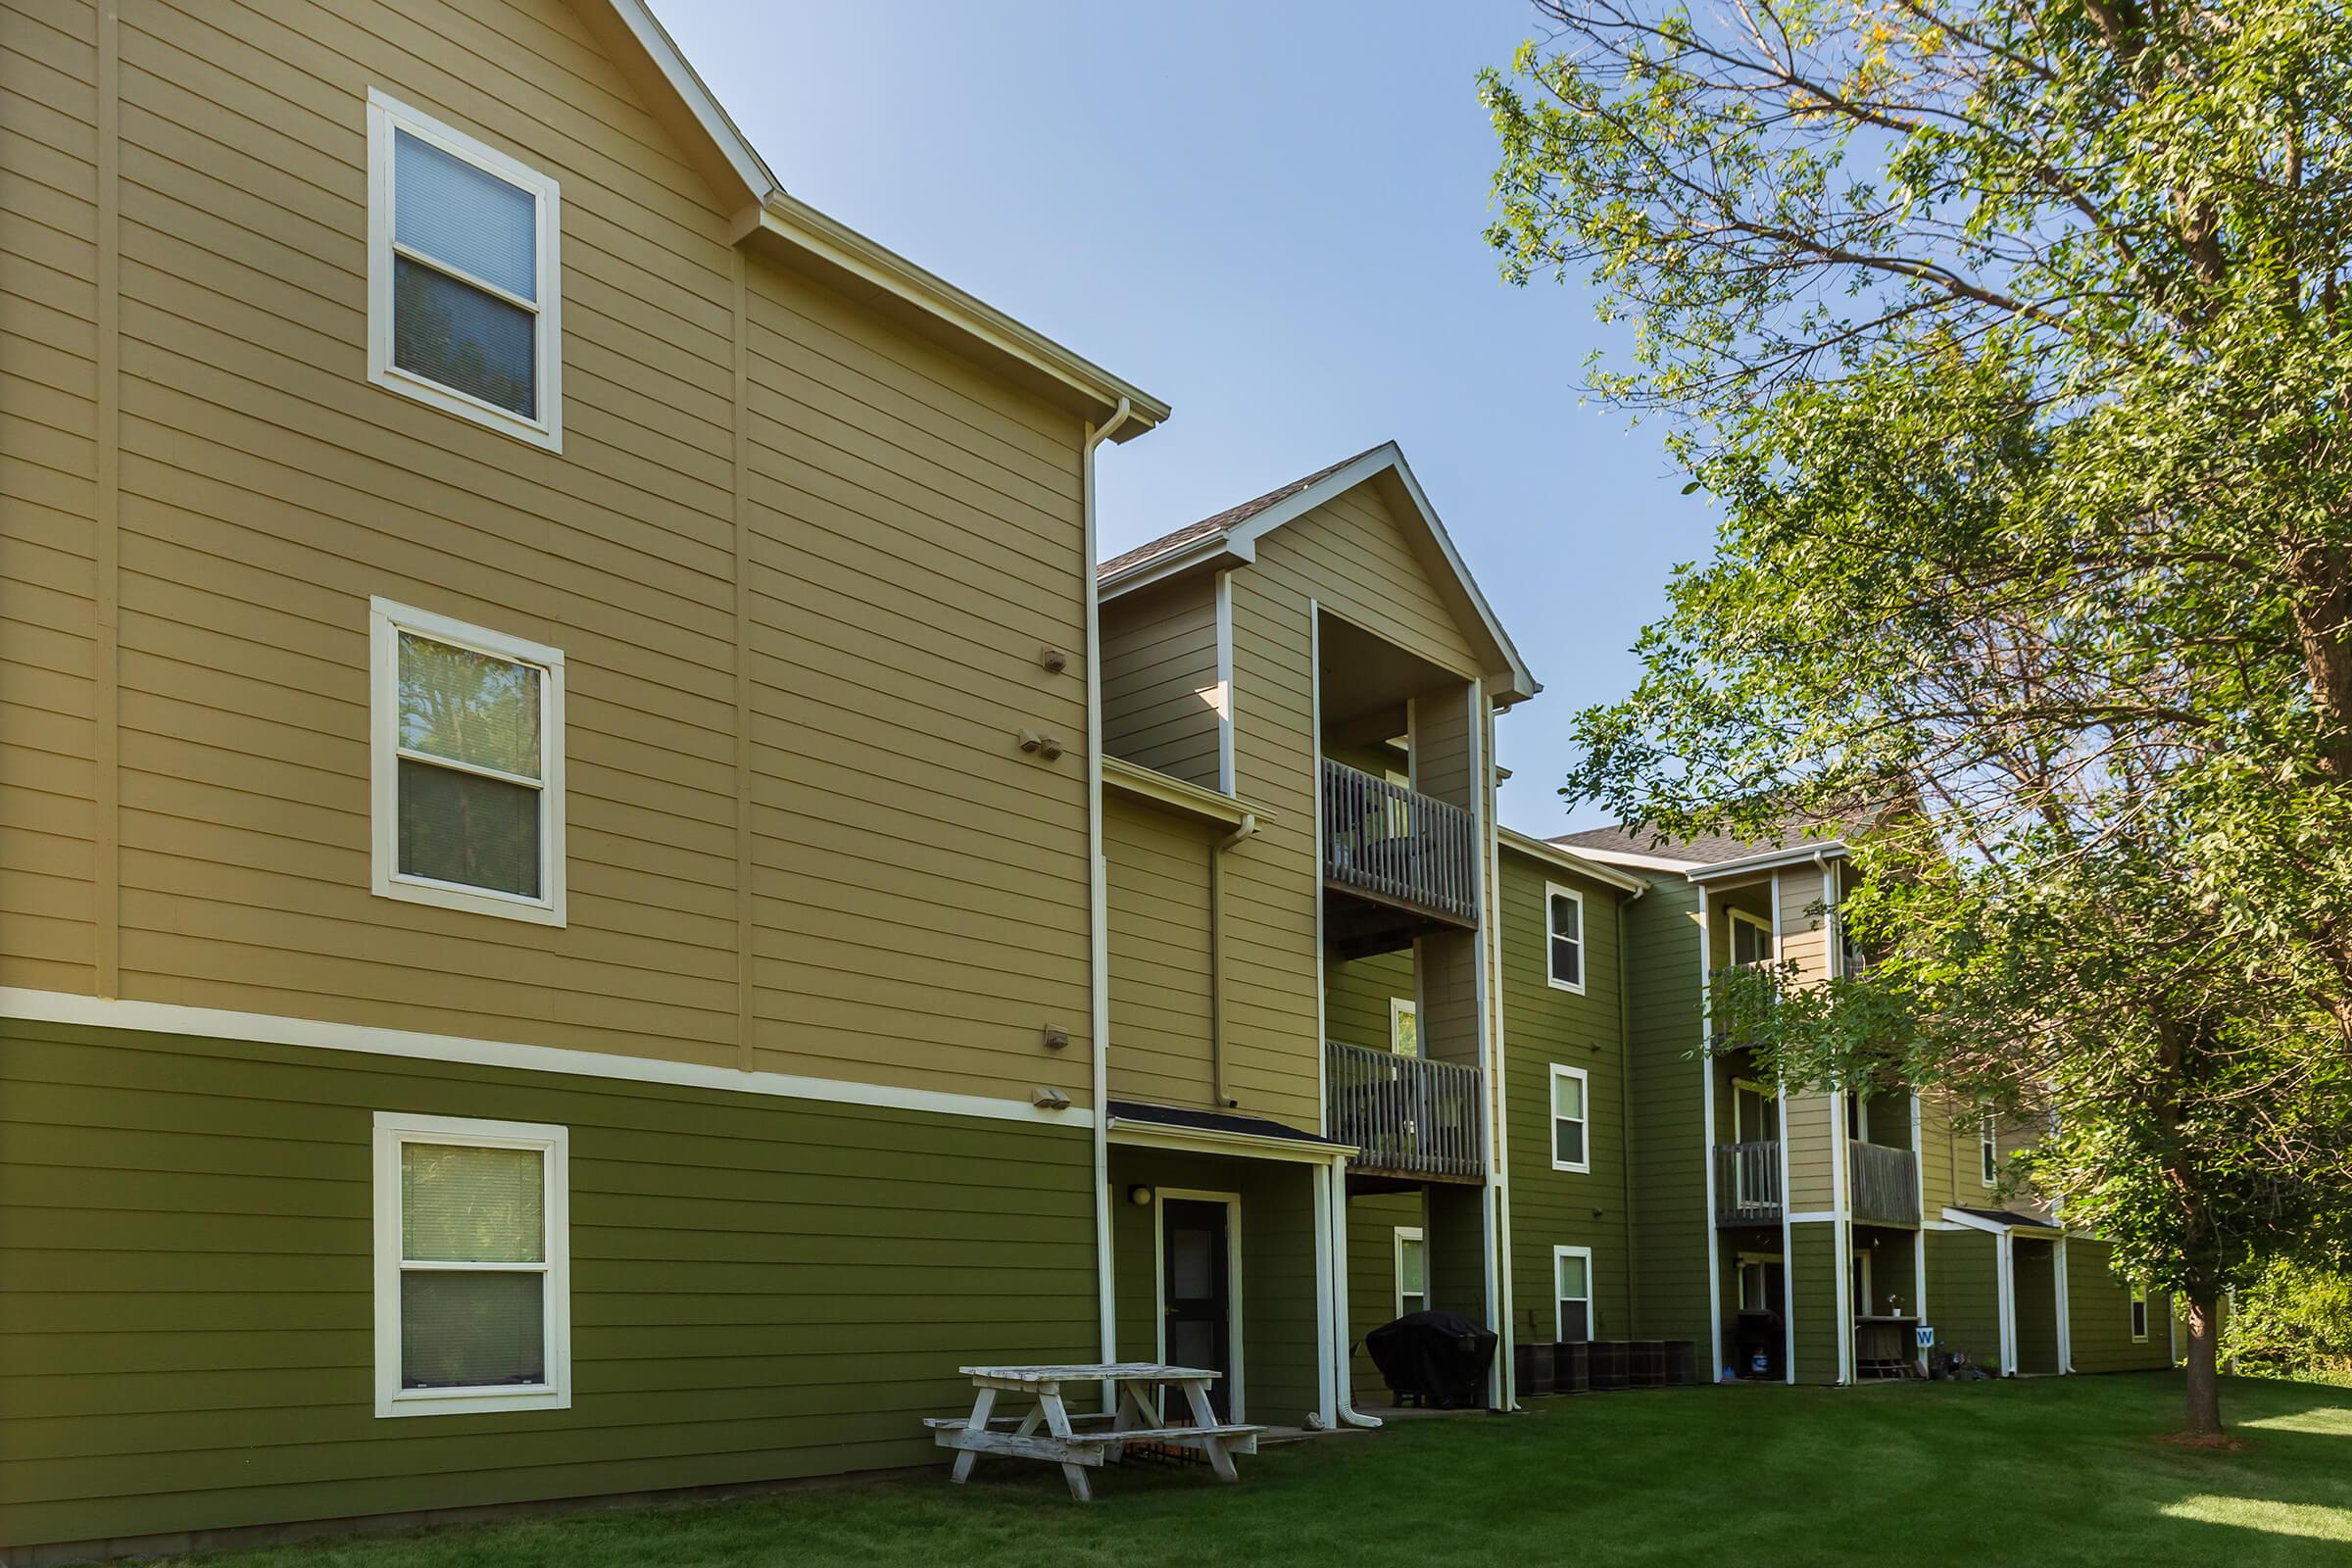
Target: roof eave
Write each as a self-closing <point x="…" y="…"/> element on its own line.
<point x="800" y="237"/>
<point x="1570" y="860"/>
<point x="1770" y="860"/>
<point x="1171" y="793"/>
<point x="1510" y="681"/>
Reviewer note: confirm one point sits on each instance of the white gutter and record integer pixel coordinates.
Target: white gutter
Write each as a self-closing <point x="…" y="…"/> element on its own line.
<point x="1097" y="909"/>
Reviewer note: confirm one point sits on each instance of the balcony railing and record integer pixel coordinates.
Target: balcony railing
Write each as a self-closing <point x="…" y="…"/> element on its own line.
<point x="1382" y="840"/>
<point x="1886" y="1184"/>
<point x="1747" y="1183"/>
<point x="1407" y="1115"/>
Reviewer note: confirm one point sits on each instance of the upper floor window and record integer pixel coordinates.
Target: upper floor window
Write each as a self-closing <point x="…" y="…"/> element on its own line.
<point x="2139" y="1313"/>
<point x="1571" y="1145"/>
<point x="1988" y="1151"/>
<point x="1404" y="1027"/>
<point x="1751" y="938"/>
<point x="462" y="276"/>
<point x="468" y="767"/>
<point x="1564" y="937"/>
<point x="472" y="1255"/>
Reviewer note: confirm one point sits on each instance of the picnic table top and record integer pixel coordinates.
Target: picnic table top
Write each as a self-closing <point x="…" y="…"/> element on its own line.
<point x="1092" y="1371"/>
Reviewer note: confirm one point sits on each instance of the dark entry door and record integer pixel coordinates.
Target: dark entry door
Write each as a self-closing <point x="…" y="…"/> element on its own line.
<point x="1197" y="1291"/>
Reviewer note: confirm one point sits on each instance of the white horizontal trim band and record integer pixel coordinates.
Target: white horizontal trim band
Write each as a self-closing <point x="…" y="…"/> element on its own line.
<point x="173" y="1018"/>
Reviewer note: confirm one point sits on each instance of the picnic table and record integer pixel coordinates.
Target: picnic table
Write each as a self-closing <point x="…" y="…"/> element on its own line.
<point x="1083" y="1442"/>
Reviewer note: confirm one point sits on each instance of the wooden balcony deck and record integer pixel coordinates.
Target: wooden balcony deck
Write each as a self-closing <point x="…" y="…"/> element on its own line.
<point x="1409" y="1118"/>
<point x="1383" y="842"/>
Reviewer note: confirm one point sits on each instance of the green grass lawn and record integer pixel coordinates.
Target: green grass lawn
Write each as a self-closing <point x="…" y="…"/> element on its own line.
<point x="2061" y="1472"/>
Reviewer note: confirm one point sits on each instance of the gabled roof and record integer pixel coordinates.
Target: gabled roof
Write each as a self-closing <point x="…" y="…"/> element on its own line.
<point x="1706" y="856"/>
<point x="798" y="235"/>
<point x="1230" y="537"/>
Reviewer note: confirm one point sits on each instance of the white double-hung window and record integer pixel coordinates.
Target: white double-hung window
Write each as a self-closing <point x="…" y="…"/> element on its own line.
<point x="472" y="1267"/>
<point x="1571" y="1121"/>
<point x="1572" y="1288"/>
<point x="468" y="741"/>
<point x="1563" y="937"/>
<point x="463" y="280"/>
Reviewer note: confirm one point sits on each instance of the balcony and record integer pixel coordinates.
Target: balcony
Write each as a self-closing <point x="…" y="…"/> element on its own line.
<point x="1747" y="1183"/>
<point x="1884" y="1184"/>
<point x="1383" y="842"/>
<point x="1409" y="1118"/>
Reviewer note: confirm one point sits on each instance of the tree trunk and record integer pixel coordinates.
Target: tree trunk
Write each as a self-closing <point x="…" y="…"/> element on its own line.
<point x="2204" y="1383"/>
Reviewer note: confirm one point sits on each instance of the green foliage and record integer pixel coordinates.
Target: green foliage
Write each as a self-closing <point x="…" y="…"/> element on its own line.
<point x="2013" y="341"/>
<point x="2293" y="1322"/>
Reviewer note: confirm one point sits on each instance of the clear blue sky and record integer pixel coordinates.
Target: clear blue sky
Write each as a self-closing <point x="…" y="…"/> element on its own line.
<point x="1270" y="215"/>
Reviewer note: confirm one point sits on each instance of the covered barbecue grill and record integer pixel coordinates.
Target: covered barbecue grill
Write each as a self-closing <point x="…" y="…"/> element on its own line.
<point x="1438" y="1358"/>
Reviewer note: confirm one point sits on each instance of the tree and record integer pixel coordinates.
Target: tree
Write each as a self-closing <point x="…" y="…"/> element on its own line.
<point x="2014" y="343"/>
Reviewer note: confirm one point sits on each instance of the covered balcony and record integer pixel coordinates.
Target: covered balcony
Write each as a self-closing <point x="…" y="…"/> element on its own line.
<point x="1412" y="852"/>
<point x="1747" y="1183"/>
<point x="1411" y="1119"/>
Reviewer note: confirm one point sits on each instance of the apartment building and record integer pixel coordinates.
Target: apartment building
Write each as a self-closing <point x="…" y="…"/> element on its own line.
<point x="547" y="931"/>
<point x="596" y="890"/>
<point x="1831" y="1236"/>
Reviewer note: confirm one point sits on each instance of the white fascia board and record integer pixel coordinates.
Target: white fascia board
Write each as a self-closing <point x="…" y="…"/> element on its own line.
<point x="1770" y="859"/>
<point x="1568" y="859"/>
<point x="173" y="1018"/>
<point x="1640" y="863"/>
<point x="1129" y="1133"/>
<point x="663" y="50"/>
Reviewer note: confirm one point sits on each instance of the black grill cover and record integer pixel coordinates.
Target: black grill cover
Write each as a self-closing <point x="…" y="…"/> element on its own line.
<point x="1441" y="1356"/>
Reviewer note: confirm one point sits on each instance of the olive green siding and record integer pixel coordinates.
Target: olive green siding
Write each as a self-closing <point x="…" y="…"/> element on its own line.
<point x="1666" y="1133"/>
<point x="2099" y="1314"/>
<point x="1813" y="1267"/>
<point x="2033" y="1286"/>
<point x="1893" y="1269"/>
<point x="1280" y="1385"/>
<point x="1964" y="1294"/>
<point x="760" y="1287"/>
<point x="1543" y="1026"/>
<point x="1372" y="1223"/>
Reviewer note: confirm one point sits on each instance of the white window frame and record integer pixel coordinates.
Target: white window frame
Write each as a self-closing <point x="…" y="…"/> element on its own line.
<point x="1741" y="917"/>
<point x="1988" y="1151"/>
<point x="2139" y="1315"/>
<point x="393" y="1131"/>
<point x="386" y="115"/>
<point x="386" y="622"/>
<point x="1400" y="1009"/>
<point x="1583" y="1084"/>
<point x="1414" y="1234"/>
<point x="1551" y="891"/>
<point x="1559" y="1322"/>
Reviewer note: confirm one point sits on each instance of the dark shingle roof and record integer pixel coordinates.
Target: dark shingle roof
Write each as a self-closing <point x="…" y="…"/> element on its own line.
<point x="1193" y="533"/>
<point x="1221" y="1121"/>
<point x="2009" y="1216"/>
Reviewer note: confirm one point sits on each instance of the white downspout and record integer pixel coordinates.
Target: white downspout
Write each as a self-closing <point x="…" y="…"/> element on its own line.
<point x="1337" y="1273"/>
<point x="1098" y="907"/>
